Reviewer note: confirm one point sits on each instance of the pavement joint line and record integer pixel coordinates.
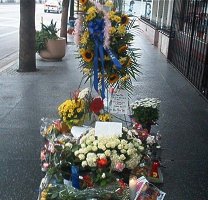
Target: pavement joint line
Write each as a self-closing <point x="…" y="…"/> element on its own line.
<point x="8" y="65"/>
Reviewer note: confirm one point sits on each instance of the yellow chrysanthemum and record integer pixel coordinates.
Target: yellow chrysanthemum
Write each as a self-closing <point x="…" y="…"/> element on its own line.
<point x="112" y="30"/>
<point x="121" y="30"/>
<point x="82" y="50"/>
<point x="90" y="16"/>
<point x="84" y="37"/>
<point x="111" y="14"/>
<point x="107" y="58"/>
<point x="92" y="9"/>
<point x="86" y="71"/>
<point x="104" y="117"/>
<point x="87" y="56"/>
<point x="79" y="110"/>
<point x="125" y="78"/>
<point x="44" y="194"/>
<point x="116" y="18"/>
<point x="123" y="60"/>
<point x="109" y="3"/>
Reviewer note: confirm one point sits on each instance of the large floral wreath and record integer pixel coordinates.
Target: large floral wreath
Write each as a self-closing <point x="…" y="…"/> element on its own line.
<point x="104" y="39"/>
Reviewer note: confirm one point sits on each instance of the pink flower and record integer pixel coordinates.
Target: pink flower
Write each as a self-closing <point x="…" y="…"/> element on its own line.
<point x="45" y="166"/>
<point x="77" y="30"/>
<point x="119" y="167"/>
<point x="42" y="155"/>
<point x="51" y="148"/>
<point x="106" y="31"/>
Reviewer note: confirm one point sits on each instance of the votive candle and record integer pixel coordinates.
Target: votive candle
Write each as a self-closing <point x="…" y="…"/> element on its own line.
<point x="132" y="187"/>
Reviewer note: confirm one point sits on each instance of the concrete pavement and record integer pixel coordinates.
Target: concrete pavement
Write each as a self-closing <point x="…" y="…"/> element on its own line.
<point x="27" y="97"/>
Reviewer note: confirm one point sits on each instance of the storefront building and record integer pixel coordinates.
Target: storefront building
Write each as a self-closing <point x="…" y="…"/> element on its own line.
<point x="180" y="30"/>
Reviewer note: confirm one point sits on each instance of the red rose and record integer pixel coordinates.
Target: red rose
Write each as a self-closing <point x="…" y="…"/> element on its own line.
<point x="96" y="105"/>
<point x="102" y="162"/>
<point x="88" y="181"/>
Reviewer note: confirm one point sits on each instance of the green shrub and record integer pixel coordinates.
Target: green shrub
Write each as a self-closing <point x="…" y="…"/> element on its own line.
<point x="42" y="36"/>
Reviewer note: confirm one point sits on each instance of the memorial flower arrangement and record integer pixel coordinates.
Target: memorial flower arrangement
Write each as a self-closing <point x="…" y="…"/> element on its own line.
<point x="105" y="46"/>
<point x="145" y="111"/>
<point x="72" y="111"/>
<point x="101" y="155"/>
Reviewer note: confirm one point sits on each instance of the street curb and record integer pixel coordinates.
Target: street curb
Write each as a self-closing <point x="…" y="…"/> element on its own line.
<point x="8" y="65"/>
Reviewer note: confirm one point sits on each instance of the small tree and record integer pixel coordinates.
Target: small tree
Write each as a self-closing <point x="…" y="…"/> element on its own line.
<point x="64" y="18"/>
<point x="27" y="60"/>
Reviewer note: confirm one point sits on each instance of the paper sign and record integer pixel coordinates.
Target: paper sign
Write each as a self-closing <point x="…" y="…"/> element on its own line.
<point x="119" y="102"/>
<point x="108" y="129"/>
<point x="146" y="190"/>
<point x="77" y="131"/>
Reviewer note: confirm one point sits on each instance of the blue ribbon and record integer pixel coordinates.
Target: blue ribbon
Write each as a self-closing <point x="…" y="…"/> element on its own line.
<point x="96" y="29"/>
<point x="75" y="176"/>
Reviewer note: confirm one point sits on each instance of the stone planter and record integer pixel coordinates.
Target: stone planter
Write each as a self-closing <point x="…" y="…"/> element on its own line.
<point x="55" y="50"/>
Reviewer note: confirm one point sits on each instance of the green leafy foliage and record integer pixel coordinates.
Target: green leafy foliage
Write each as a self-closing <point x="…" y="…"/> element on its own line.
<point x="42" y="36"/>
<point x="146" y="115"/>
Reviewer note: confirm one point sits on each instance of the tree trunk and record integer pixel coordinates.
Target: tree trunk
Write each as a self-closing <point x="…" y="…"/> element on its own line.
<point x="27" y="60"/>
<point x="64" y="18"/>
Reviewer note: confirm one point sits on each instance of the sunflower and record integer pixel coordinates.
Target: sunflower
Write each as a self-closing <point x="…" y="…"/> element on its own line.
<point x="113" y="78"/>
<point x="122" y="49"/>
<point x="124" y="19"/>
<point x="87" y="56"/>
<point x="83" y="2"/>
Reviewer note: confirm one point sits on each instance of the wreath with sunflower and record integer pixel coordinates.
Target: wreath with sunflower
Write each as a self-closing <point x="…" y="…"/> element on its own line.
<point x="104" y="38"/>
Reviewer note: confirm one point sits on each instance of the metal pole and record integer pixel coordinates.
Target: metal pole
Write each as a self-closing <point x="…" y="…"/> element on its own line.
<point x="192" y="37"/>
<point x="71" y="17"/>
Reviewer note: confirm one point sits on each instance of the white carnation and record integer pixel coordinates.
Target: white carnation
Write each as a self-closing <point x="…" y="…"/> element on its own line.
<point x="68" y="144"/>
<point x="81" y="156"/>
<point x="84" y="163"/>
<point x="89" y="148"/>
<point x="122" y="157"/>
<point x="83" y="145"/>
<point x="94" y="148"/>
<point x="150" y="140"/>
<point x="130" y="151"/>
<point x="103" y="175"/>
<point x="108" y="153"/>
<point x="108" y="145"/>
<point x="123" y="151"/>
<point x="141" y="148"/>
<point x="76" y="153"/>
<point x="101" y="155"/>
<point x="83" y="93"/>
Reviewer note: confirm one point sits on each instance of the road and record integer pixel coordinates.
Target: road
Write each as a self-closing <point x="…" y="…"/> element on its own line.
<point x="9" y="29"/>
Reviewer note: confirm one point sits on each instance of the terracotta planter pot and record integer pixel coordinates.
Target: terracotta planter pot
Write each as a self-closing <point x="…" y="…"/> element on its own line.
<point x="56" y="49"/>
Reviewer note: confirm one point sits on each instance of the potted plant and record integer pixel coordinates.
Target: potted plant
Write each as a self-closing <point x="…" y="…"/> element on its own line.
<point x="48" y="44"/>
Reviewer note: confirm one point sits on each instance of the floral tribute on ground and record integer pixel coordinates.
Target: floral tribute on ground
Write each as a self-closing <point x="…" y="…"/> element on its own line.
<point x="79" y="161"/>
<point x="104" y="41"/>
<point x="88" y="164"/>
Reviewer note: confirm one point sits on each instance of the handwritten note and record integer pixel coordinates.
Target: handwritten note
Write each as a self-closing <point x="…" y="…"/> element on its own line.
<point x="108" y="129"/>
<point x="119" y="102"/>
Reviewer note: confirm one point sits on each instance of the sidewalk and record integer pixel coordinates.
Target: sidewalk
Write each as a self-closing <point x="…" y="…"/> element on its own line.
<point x="27" y="97"/>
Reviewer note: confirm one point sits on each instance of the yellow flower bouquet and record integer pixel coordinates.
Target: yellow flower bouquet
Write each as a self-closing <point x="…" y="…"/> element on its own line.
<point x="72" y="111"/>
